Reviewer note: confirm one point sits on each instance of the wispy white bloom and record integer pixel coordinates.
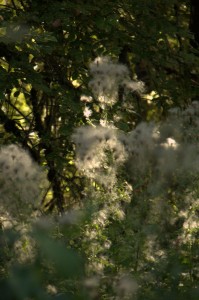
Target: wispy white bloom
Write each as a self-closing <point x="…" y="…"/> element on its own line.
<point x="70" y="217"/>
<point x="20" y="181"/>
<point x="91" y="143"/>
<point x="170" y="143"/>
<point x="134" y="85"/>
<point x="85" y="98"/>
<point x="103" y="123"/>
<point x="126" y="286"/>
<point x="107" y="77"/>
<point x="87" y="112"/>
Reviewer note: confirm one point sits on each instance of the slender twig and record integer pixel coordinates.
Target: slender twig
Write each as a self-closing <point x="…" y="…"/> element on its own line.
<point x="5" y="6"/>
<point x="15" y="108"/>
<point x="22" y="4"/>
<point x="14" y="5"/>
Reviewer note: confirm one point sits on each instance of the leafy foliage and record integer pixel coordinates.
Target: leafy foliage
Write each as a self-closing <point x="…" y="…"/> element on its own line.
<point x="118" y="212"/>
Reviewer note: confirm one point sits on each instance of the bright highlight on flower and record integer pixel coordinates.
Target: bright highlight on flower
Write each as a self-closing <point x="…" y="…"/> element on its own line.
<point x="87" y="112"/>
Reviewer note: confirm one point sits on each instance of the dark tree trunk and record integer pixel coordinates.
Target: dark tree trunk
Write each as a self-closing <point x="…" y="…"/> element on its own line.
<point x="194" y="22"/>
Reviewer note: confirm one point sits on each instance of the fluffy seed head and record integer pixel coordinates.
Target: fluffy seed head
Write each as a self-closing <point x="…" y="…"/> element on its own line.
<point x="20" y="180"/>
<point x="107" y="77"/>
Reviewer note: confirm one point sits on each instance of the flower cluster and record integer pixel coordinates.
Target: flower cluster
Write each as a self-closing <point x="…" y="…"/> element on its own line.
<point x="20" y="180"/>
<point x="164" y="150"/>
<point x="97" y="148"/>
<point x="125" y="287"/>
<point x="108" y="76"/>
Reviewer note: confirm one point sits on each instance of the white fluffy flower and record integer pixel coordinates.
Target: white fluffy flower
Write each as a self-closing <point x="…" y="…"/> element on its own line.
<point x="87" y="112"/>
<point x="20" y="179"/>
<point x="107" y="77"/>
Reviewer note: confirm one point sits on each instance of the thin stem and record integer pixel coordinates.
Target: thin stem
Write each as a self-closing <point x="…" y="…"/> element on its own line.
<point x="14" y="5"/>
